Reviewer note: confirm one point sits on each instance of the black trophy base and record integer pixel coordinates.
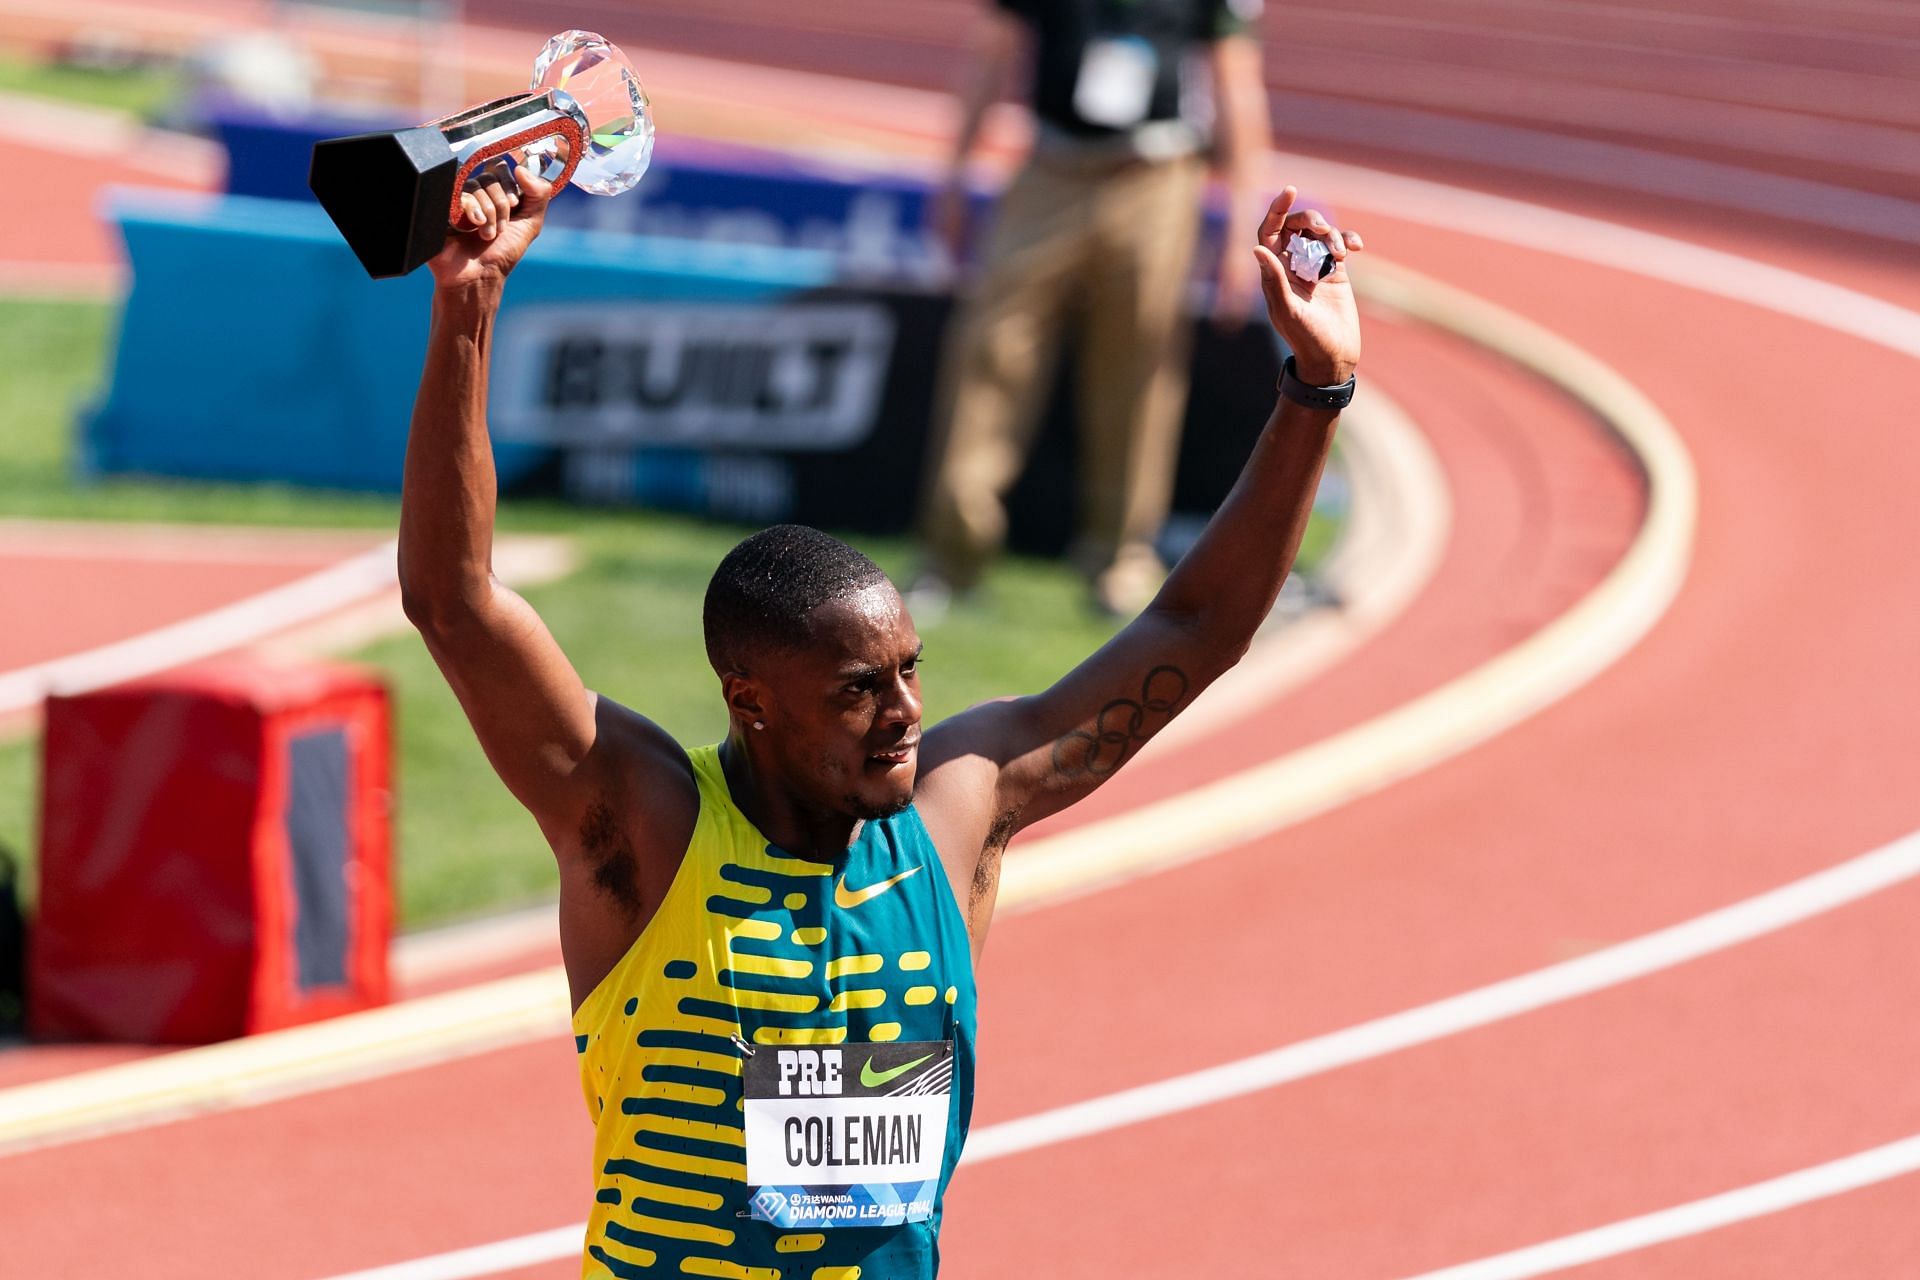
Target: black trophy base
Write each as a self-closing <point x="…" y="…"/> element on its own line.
<point x="388" y="193"/>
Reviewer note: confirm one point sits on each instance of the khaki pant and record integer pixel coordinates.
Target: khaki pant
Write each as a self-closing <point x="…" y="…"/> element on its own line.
<point x="1108" y="247"/>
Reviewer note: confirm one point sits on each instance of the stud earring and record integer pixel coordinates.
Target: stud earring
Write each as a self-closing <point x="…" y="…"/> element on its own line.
<point x="759" y="724"/>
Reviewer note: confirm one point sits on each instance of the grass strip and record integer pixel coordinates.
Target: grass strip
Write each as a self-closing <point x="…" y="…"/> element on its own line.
<point x="143" y="91"/>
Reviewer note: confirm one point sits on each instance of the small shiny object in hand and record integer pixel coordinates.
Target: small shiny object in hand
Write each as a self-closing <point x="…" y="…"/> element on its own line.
<point x="1308" y="258"/>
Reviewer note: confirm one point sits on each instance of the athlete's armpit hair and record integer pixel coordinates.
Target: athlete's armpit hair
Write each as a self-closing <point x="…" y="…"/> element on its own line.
<point x="986" y="871"/>
<point x="616" y="870"/>
<point x="1097" y="751"/>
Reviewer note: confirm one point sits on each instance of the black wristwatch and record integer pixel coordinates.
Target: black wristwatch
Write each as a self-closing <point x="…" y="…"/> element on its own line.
<point x="1333" y="398"/>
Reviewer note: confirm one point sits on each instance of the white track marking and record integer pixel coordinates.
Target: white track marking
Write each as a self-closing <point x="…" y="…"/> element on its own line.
<point x="1801" y="1187"/>
<point x="1643" y="253"/>
<point x="1809" y="20"/>
<point x="1884" y="868"/>
<point x="60" y="281"/>
<point x="1766" y="130"/>
<point x="485" y="1259"/>
<point x="101" y="133"/>
<point x="225" y="628"/>
<point x="434" y="954"/>
<point x="278" y="1064"/>
<point x="1609" y="164"/>
<point x="175" y="543"/>
<point x="1744" y="921"/>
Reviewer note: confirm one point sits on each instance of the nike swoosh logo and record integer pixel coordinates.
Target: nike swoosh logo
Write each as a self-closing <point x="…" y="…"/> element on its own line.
<point x="874" y="1079"/>
<point x="848" y="900"/>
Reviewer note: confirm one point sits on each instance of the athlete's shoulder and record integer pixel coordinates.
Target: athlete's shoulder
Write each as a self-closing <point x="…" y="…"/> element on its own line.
<point x="960" y="757"/>
<point x="641" y="784"/>
<point x="639" y="742"/>
<point x="619" y="858"/>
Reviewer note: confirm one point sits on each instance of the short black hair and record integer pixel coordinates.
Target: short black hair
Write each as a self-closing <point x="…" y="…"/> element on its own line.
<point x="768" y="585"/>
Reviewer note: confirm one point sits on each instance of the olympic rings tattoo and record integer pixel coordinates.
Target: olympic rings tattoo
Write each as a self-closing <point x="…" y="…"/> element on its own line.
<point x="1122" y="725"/>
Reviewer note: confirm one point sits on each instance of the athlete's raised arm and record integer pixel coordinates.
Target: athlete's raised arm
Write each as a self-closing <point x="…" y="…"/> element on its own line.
<point x="993" y="770"/>
<point x="583" y="766"/>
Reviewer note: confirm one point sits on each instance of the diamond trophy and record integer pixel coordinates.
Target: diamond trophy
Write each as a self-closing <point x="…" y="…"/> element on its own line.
<point x="395" y="196"/>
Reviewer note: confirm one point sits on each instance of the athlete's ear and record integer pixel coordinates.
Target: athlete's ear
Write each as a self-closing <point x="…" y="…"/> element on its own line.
<point x="745" y="705"/>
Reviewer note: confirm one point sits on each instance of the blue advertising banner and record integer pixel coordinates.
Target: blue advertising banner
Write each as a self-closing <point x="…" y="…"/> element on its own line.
<point x="871" y="222"/>
<point x="253" y="347"/>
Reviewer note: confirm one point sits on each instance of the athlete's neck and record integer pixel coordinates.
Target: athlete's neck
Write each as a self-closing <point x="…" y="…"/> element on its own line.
<point x="787" y="821"/>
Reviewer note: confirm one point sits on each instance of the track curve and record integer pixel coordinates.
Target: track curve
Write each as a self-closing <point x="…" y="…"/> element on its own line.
<point x="1498" y="464"/>
<point x="1760" y="733"/>
<point x="1675" y="783"/>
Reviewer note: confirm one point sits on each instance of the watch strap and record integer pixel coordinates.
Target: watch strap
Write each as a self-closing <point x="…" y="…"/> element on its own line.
<point x="1332" y="398"/>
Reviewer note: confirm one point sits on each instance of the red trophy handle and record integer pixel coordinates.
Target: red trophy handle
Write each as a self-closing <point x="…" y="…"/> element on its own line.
<point x="551" y="123"/>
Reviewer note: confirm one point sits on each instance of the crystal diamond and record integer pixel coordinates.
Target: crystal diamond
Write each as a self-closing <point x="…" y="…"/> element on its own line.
<point x="594" y="73"/>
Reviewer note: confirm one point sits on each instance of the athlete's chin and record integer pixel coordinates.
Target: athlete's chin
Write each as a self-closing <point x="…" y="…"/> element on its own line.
<point x="871" y="806"/>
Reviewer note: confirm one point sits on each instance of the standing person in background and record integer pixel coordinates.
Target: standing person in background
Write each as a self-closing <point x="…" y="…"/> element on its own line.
<point x="1099" y="226"/>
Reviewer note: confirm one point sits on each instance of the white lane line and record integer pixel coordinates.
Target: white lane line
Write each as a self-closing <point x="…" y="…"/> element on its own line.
<point x="1767" y="129"/>
<point x="433" y="954"/>
<point x="1786" y="1192"/>
<point x="119" y="137"/>
<point x="228" y="627"/>
<point x="176" y="544"/>
<point x="1570" y="235"/>
<point x="1650" y="953"/>
<point x="1744" y="921"/>
<point x="485" y="1259"/>
<point x="278" y="1064"/>
<point x="1608" y="164"/>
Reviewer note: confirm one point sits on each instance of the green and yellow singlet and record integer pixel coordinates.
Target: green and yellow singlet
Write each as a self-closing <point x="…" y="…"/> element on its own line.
<point x="826" y="1012"/>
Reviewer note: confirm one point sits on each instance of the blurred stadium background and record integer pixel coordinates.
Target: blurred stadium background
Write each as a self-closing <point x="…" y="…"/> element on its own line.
<point x="204" y="401"/>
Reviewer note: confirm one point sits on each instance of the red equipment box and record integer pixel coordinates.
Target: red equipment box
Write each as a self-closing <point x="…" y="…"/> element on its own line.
<point x="214" y="854"/>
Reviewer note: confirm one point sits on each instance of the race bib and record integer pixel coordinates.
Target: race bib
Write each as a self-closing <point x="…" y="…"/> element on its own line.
<point x="847" y="1135"/>
<point x="1115" y="86"/>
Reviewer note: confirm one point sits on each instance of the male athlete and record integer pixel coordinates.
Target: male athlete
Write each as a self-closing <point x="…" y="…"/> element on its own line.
<point x="770" y="942"/>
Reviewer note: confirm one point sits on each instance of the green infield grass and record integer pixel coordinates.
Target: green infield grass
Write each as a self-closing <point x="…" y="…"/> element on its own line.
<point x="144" y="91"/>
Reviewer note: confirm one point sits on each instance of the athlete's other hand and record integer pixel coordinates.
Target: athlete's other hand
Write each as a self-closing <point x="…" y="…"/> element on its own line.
<point x="1316" y="317"/>
<point x="501" y="211"/>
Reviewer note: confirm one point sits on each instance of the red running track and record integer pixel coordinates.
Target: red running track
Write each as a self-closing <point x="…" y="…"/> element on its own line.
<point x="112" y="584"/>
<point x="1495" y="91"/>
<point x="1761" y="732"/>
<point x="1544" y="506"/>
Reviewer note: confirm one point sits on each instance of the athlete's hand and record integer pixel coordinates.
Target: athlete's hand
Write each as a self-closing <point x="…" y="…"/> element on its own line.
<point x="501" y="211"/>
<point x="1316" y="317"/>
